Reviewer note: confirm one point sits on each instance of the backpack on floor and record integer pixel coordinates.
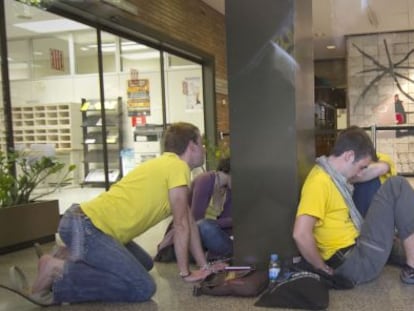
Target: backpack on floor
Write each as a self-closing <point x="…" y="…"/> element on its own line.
<point x="243" y="283"/>
<point x="296" y="290"/>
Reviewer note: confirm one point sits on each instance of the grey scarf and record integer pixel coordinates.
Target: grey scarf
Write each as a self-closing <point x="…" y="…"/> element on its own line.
<point x="344" y="188"/>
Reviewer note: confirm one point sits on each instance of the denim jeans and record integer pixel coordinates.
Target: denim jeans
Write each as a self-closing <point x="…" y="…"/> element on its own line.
<point x="214" y="239"/>
<point x="99" y="268"/>
<point x="363" y="194"/>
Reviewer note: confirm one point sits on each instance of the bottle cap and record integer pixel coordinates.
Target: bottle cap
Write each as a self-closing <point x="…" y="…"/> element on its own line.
<point x="274" y="257"/>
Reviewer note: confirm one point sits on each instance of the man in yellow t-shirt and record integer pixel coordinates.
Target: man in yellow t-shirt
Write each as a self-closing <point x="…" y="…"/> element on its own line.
<point x="332" y="236"/>
<point x="104" y="264"/>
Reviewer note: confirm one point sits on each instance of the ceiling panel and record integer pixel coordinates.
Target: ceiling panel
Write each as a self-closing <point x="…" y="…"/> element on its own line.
<point x="332" y="20"/>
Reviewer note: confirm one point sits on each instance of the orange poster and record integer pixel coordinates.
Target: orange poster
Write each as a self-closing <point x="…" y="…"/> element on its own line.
<point x="138" y="98"/>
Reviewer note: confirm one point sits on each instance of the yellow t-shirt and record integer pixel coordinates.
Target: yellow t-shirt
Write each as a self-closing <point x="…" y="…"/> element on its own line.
<point x="140" y="199"/>
<point x="387" y="159"/>
<point x="321" y="199"/>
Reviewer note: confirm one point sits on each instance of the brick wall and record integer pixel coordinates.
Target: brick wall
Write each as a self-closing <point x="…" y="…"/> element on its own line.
<point x="196" y="24"/>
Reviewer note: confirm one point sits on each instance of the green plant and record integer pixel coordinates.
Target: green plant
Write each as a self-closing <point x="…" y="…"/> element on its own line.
<point x="215" y="152"/>
<point x="16" y="189"/>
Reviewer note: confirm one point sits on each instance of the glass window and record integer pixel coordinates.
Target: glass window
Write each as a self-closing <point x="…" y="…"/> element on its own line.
<point x="141" y="80"/>
<point x="19" y="59"/>
<point x="133" y="54"/>
<point x="56" y="96"/>
<point x="86" y="51"/>
<point x="184" y="91"/>
<point x="51" y="56"/>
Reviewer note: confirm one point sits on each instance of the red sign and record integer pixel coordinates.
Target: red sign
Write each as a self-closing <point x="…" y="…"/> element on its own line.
<point x="56" y="59"/>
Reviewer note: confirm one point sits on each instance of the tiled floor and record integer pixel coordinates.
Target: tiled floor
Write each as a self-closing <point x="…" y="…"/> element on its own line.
<point x="385" y="294"/>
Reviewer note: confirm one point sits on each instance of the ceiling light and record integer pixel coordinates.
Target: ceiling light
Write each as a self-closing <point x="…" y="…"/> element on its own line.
<point x="125" y="46"/>
<point x="331" y="47"/>
<point x="133" y="47"/>
<point x="52" y="25"/>
<point x="138" y="56"/>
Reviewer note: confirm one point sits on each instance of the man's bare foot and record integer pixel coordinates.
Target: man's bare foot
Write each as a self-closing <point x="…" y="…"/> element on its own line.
<point x="58" y="251"/>
<point x="49" y="268"/>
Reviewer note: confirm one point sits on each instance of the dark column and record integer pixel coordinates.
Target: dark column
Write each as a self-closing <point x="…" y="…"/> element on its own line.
<point x="270" y="66"/>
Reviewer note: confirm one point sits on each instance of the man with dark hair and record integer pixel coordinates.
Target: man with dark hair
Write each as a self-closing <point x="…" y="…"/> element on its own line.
<point x="103" y="263"/>
<point x="329" y="231"/>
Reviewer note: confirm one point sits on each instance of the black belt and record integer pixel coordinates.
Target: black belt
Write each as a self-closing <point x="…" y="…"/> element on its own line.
<point x="339" y="257"/>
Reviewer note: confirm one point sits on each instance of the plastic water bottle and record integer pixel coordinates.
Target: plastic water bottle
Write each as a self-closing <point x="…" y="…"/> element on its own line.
<point x="274" y="268"/>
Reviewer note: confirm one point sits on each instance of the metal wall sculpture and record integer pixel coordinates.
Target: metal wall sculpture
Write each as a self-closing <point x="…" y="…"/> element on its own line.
<point x="390" y="69"/>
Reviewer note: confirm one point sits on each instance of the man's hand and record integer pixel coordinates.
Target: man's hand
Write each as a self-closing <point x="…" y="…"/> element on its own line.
<point x="305" y="241"/>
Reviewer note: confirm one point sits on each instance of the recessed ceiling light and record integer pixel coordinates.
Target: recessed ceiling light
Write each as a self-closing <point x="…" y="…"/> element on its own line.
<point x="331" y="47"/>
<point x="52" y="25"/>
<point x="138" y="56"/>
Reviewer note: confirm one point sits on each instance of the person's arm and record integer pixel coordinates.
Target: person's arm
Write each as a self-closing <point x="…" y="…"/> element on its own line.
<point x="195" y="243"/>
<point x="201" y="192"/>
<point x="305" y="241"/>
<point x="373" y="170"/>
<point x="225" y="219"/>
<point x="186" y="235"/>
<point x="225" y="222"/>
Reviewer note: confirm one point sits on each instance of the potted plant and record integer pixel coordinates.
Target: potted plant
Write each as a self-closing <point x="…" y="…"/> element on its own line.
<point x="23" y="217"/>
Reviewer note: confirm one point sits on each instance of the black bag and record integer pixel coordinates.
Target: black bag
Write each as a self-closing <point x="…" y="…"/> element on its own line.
<point x="296" y="290"/>
<point x="331" y="281"/>
<point x="245" y="283"/>
<point x="166" y="254"/>
<point x="165" y="249"/>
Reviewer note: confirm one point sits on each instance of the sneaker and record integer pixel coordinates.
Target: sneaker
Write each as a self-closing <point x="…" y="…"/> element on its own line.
<point x="407" y="275"/>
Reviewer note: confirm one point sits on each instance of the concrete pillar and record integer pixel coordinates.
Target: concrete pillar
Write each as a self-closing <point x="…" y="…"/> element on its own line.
<point x="270" y="66"/>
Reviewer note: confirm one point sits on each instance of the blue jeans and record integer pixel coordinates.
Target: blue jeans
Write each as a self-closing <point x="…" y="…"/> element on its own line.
<point x="363" y="194"/>
<point x="99" y="268"/>
<point x="214" y="239"/>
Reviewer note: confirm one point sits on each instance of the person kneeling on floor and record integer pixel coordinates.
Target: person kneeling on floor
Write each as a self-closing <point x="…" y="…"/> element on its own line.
<point x="102" y="262"/>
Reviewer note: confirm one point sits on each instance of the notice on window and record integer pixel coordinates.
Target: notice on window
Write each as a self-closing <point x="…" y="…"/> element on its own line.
<point x="191" y="90"/>
<point x="138" y="98"/>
